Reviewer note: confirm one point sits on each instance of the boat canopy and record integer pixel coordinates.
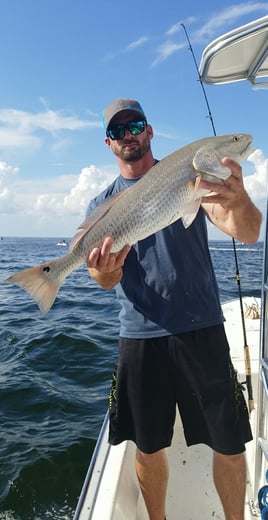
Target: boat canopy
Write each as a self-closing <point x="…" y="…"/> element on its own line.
<point x="238" y="55"/>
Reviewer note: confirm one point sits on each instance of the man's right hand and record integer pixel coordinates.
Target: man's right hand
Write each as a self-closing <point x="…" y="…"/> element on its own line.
<point x="106" y="267"/>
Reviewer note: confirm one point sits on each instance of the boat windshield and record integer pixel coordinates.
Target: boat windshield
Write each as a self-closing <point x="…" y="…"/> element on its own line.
<point x="238" y="55"/>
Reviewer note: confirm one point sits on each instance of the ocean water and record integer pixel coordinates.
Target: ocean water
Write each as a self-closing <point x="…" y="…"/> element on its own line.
<point x="55" y="373"/>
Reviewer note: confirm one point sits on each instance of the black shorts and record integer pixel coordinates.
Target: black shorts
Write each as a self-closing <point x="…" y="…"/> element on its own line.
<point x="192" y="370"/>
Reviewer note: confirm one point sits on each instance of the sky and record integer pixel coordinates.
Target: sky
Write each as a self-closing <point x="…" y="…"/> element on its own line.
<point x="63" y="61"/>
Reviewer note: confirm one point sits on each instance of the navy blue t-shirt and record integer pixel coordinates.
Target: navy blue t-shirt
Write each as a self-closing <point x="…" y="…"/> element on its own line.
<point x="168" y="284"/>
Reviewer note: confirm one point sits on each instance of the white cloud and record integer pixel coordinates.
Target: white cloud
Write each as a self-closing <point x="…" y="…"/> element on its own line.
<point x="60" y="144"/>
<point x="8" y="176"/>
<point x="11" y="137"/>
<point x="256" y="184"/>
<point x="73" y="199"/>
<point x="165" y="50"/>
<point x="227" y="16"/>
<point x="21" y="129"/>
<point x="49" y="206"/>
<point x="174" y="29"/>
<point x="137" y="43"/>
<point x="131" y="47"/>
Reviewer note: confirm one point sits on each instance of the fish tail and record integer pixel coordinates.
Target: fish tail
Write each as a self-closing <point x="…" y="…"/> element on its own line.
<point x="41" y="282"/>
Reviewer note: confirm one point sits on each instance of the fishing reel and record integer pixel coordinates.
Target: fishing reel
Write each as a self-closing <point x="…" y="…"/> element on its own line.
<point x="263" y="499"/>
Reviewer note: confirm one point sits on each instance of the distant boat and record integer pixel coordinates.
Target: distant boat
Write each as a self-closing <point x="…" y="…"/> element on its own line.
<point x="62" y="243"/>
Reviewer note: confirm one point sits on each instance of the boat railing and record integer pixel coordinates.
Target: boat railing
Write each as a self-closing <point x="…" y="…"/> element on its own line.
<point x="91" y="468"/>
<point x="261" y="453"/>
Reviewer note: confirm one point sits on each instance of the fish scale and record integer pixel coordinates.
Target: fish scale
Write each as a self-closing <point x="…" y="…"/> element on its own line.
<point x="167" y="192"/>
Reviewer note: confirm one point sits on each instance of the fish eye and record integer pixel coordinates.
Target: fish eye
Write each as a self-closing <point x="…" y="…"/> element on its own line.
<point x="235" y="138"/>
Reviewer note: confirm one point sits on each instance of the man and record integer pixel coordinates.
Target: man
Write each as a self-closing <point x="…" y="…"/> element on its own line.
<point x="172" y="346"/>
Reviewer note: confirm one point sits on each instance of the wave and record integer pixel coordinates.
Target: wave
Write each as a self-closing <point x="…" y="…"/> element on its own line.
<point x="47" y="486"/>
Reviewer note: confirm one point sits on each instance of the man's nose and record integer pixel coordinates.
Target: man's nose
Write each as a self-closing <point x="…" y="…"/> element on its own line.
<point x="127" y="133"/>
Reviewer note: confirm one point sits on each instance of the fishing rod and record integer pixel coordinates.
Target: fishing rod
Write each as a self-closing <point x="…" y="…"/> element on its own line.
<point x="246" y="347"/>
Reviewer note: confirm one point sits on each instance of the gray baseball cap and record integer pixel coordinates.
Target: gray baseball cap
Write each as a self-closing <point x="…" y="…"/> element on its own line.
<point x="118" y="105"/>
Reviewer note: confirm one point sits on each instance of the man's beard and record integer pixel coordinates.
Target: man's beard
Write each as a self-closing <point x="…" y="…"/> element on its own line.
<point x="133" y="154"/>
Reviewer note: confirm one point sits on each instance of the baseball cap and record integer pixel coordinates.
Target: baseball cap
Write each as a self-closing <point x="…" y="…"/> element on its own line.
<point x="118" y="105"/>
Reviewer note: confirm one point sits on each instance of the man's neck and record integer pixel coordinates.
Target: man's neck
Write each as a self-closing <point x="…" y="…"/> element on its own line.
<point x="131" y="170"/>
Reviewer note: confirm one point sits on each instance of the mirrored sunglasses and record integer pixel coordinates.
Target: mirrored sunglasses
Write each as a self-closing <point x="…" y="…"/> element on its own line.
<point x="117" y="132"/>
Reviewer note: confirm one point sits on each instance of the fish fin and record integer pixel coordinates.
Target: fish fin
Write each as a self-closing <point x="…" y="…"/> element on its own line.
<point x="175" y="217"/>
<point x="189" y="213"/>
<point x="39" y="284"/>
<point x="208" y="163"/>
<point x="97" y="214"/>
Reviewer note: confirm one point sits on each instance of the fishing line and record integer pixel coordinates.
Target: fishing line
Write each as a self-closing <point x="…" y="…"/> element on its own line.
<point x="246" y="347"/>
<point x="200" y="80"/>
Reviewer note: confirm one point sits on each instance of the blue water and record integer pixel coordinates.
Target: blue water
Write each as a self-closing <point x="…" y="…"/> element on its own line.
<point x="55" y="375"/>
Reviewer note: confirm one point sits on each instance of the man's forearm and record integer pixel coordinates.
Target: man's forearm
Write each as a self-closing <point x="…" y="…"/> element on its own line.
<point x="242" y="222"/>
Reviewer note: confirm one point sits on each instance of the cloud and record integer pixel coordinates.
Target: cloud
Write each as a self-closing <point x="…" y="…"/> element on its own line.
<point x="80" y="190"/>
<point x="256" y="183"/>
<point x="8" y="176"/>
<point x="174" y="29"/>
<point x="227" y="16"/>
<point x="21" y="129"/>
<point x="165" y="50"/>
<point x="12" y="137"/>
<point x="131" y="47"/>
<point x="50" y="199"/>
<point x="137" y="43"/>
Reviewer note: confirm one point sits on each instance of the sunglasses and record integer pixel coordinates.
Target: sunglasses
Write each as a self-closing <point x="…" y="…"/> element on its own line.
<point x="117" y="132"/>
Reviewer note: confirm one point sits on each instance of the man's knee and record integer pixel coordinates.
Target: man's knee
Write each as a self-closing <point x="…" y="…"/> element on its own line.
<point x="150" y="457"/>
<point x="234" y="459"/>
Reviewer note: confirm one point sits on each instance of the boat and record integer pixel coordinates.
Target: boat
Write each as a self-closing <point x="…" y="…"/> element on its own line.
<point x="62" y="243"/>
<point x="111" y="490"/>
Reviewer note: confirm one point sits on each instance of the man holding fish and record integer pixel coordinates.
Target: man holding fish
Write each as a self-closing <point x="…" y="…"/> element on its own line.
<point x="172" y="346"/>
<point x="146" y="236"/>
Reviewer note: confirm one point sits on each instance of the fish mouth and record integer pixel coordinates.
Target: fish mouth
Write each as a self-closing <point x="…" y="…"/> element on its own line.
<point x="247" y="151"/>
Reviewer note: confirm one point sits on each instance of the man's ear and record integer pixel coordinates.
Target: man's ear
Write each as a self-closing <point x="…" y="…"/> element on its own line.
<point x="107" y="140"/>
<point x="150" y="131"/>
